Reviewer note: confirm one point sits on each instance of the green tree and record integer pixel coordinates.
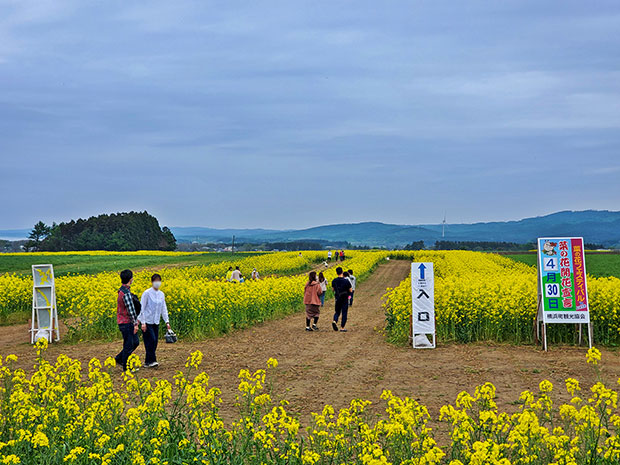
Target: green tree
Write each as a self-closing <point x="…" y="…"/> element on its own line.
<point x="171" y="242"/>
<point x="37" y="235"/>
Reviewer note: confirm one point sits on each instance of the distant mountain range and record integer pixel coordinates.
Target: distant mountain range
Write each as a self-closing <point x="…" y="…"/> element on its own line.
<point x="596" y="226"/>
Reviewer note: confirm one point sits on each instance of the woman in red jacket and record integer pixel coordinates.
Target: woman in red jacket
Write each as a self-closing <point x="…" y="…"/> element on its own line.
<point x="312" y="300"/>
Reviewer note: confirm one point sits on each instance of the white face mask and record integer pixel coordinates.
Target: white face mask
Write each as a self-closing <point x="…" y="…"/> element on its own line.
<point x="156" y="284"/>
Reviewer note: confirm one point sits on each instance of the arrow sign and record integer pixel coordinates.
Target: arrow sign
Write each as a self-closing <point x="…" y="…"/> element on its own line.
<point x="423" y="305"/>
<point x="422" y="268"/>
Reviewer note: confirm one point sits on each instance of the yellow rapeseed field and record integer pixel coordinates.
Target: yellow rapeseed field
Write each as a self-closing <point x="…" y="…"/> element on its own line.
<point x="200" y="302"/>
<point x="481" y="296"/>
<point x="65" y="413"/>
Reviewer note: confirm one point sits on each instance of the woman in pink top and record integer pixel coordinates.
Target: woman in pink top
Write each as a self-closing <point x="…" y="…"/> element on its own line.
<point x="312" y="300"/>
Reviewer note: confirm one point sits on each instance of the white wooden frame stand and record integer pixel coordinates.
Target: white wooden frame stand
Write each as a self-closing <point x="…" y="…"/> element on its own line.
<point x="44" y="304"/>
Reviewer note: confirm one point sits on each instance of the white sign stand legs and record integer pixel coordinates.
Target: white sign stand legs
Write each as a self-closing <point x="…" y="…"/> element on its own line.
<point x="423" y="306"/>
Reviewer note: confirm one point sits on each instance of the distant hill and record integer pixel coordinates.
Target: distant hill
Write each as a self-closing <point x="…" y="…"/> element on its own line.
<point x="596" y="226"/>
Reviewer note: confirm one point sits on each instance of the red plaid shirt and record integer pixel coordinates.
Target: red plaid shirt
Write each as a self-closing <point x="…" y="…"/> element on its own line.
<point x="125" y="311"/>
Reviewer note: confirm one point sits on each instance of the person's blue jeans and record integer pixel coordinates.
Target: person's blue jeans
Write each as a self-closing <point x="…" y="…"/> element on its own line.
<point x="323" y="298"/>
<point x="342" y="309"/>
<point x="131" y="341"/>
<point x="150" y="338"/>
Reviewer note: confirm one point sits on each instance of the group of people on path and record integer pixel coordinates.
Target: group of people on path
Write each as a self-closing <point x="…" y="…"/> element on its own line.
<point x="235" y="276"/>
<point x="337" y="255"/>
<point x="314" y="298"/>
<point x="145" y="314"/>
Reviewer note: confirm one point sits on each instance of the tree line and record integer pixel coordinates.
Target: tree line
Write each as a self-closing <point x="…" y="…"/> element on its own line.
<point x="116" y="232"/>
<point x="472" y="245"/>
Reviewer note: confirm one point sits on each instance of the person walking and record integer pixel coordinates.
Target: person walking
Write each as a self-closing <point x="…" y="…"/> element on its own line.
<point x="127" y="319"/>
<point x="329" y="255"/>
<point x="235" y="276"/>
<point x="153" y="310"/>
<point x="323" y="284"/>
<point x="342" y="288"/>
<point x="342" y="255"/>
<point x="312" y="301"/>
<point x="353" y="280"/>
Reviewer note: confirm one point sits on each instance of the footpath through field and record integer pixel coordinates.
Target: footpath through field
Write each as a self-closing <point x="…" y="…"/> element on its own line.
<point x="325" y="367"/>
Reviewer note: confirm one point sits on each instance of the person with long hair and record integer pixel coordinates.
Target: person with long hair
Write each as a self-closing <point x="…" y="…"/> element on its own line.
<point x="323" y="284"/>
<point x="312" y="301"/>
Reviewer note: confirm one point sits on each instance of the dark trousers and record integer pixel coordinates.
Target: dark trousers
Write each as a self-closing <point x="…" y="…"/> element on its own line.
<point x="131" y="342"/>
<point x="342" y="308"/>
<point x="351" y="299"/>
<point x="150" y="337"/>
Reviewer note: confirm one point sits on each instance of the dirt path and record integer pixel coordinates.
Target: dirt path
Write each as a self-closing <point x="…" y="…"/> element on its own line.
<point x="325" y="367"/>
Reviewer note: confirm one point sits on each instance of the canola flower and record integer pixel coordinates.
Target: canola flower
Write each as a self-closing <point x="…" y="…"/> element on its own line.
<point x="593" y="356"/>
<point x="66" y="413"/>
<point x="200" y="302"/>
<point x="487" y="297"/>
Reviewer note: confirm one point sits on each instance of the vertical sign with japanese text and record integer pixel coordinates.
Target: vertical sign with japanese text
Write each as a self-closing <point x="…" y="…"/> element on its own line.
<point x="423" y="304"/>
<point x="562" y="280"/>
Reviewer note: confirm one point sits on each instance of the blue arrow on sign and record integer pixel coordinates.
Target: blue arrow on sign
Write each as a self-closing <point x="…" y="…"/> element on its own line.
<point x="421" y="268"/>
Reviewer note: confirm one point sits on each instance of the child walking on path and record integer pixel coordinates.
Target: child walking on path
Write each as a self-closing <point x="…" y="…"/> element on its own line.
<point x="342" y="289"/>
<point x="153" y="310"/>
<point x="323" y="284"/>
<point x="312" y="300"/>
<point x="353" y="280"/>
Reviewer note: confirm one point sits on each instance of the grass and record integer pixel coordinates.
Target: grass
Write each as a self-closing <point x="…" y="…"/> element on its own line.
<point x="90" y="264"/>
<point x="597" y="264"/>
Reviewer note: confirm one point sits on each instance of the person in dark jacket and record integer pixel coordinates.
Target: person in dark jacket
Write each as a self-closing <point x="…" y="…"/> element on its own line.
<point x="342" y="290"/>
<point x="127" y="319"/>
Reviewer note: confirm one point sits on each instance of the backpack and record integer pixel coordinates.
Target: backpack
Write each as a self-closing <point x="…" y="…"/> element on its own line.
<point x="137" y="305"/>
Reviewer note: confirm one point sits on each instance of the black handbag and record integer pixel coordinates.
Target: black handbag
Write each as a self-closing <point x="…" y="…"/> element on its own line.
<point x="170" y="336"/>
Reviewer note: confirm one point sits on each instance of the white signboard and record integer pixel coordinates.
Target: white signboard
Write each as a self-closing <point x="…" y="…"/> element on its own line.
<point x="562" y="284"/>
<point x="423" y="301"/>
<point x="44" y="312"/>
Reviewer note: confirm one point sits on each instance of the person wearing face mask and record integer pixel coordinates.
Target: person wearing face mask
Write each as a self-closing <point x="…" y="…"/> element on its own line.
<point x="153" y="310"/>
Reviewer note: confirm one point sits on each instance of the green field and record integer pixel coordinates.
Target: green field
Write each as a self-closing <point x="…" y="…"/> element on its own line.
<point x="597" y="264"/>
<point x="90" y="264"/>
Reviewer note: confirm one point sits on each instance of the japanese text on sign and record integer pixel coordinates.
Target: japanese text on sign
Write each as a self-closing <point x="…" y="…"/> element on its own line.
<point x="562" y="277"/>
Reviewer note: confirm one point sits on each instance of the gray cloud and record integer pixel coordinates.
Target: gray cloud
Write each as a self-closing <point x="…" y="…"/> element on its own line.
<point x="244" y="113"/>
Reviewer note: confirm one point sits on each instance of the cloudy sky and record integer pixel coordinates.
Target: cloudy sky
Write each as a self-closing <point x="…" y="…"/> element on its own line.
<point x="286" y="114"/>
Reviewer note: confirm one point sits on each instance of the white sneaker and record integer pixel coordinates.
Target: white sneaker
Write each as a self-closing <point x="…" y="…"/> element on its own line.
<point x="152" y="365"/>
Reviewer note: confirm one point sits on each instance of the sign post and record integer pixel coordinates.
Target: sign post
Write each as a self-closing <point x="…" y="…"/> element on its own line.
<point x="562" y="286"/>
<point x="423" y="305"/>
<point x="44" y="312"/>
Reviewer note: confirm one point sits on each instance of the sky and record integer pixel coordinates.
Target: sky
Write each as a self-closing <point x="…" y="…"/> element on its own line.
<point x="290" y="114"/>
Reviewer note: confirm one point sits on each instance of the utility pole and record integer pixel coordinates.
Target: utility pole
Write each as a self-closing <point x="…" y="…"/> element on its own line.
<point x="233" y="244"/>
